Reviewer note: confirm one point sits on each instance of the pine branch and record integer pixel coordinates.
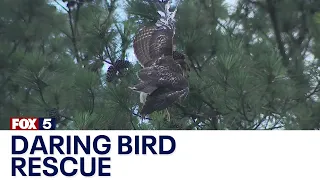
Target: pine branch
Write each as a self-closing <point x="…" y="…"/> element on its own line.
<point x="277" y="32"/>
<point x="304" y="29"/>
<point x="14" y="48"/>
<point x="77" y="18"/>
<point x="73" y="38"/>
<point x="314" y="91"/>
<point x="138" y="115"/>
<point x="109" y="55"/>
<point x="61" y="5"/>
<point x="131" y="120"/>
<point x="93" y="101"/>
<point x="188" y="112"/>
<point x="102" y="59"/>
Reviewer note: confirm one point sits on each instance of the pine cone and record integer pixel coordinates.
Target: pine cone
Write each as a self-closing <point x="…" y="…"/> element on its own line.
<point x="121" y="64"/>
<point x="111" y="73"/>
<point x="117" y="68"/>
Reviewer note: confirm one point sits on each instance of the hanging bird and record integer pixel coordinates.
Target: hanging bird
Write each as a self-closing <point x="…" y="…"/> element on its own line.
<point x="163" y="79"/>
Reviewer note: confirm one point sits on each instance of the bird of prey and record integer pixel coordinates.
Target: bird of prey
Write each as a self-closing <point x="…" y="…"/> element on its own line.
<point x="163" y="78"/>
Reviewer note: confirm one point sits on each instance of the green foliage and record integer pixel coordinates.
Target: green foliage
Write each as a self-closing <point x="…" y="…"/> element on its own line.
<point x="317" y="17"/>
<point x="253" y="68"/>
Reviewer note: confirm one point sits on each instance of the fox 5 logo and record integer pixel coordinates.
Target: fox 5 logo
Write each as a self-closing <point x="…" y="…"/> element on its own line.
<point x="30" y="123"/>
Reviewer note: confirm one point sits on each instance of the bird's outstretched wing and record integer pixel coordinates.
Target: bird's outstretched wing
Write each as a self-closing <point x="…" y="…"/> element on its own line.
<point x="150" y="43"/>
<point x="141" y="45"/>
<point x="161" y="43"/>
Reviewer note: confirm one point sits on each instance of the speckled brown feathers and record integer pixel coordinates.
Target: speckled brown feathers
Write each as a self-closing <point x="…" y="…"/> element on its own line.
<point x="162" y="79"/>
<point x="161" y="99"/>
<point x="141" y="45"/>
<point x="161" y="43"/>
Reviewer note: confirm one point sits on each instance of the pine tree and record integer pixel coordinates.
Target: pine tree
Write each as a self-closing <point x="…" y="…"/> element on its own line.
<point x="256" y="67"/>
<point x="57" y="70"/>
